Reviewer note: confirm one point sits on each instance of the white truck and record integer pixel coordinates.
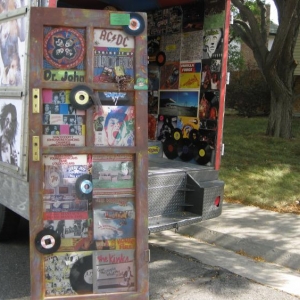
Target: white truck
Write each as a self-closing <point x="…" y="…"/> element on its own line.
<point x="78" y="80"/>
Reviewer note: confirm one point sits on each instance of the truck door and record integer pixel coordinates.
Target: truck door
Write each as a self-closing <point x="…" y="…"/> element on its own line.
<point x="88" y="154"/>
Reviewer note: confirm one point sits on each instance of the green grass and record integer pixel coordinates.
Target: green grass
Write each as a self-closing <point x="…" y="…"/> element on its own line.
<point x="259" y="170"/>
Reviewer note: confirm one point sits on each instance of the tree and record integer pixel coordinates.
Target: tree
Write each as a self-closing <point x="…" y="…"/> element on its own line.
<point x="277" y="65"/>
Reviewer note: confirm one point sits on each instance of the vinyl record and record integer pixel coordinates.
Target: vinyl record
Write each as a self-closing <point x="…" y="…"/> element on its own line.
<point x="202" y="153"/>
<point x="176" y="134"/>
<point x="170" y="148"/>
<point x="160" y="58"/>
<point x="185" y="150"/>
<point x="80" y="97"/>
<point x="81" y="275"/>
<point x="84" y="186"/>
<point x="194" y="135"/>
<point x="47" y="241"/>
<point x="136" y="25"/>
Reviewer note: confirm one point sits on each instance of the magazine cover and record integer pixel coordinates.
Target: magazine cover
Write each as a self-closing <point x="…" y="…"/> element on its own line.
<point x="114" y="219"/>
<point x="114" y="271"/>
<point x="68" y="273"/>
<point x="114" y="126"/>
<point x="112" y="174"/>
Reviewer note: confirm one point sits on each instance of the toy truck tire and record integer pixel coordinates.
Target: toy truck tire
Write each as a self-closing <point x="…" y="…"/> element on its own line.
<point x="9" y="222"/>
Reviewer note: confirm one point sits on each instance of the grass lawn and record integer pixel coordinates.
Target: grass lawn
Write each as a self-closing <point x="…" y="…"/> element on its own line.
<point x="259" y="170"/>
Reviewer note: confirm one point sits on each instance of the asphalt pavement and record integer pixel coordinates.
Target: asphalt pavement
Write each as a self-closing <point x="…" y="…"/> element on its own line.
<point x="224" y="258"/>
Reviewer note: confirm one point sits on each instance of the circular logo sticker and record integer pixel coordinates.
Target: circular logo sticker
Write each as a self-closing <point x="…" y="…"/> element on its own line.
<point x="64" y="48"/>
<point x="177" y="136"/>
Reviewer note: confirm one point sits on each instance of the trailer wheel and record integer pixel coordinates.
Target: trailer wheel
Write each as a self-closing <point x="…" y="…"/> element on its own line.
<point x="9" y="222"/>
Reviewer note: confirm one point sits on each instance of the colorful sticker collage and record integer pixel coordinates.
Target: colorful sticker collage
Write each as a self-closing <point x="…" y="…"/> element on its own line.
<point x="187" y="85"/>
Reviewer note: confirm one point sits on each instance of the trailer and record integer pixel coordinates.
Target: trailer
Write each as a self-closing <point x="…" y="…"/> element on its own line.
<point x="78" y="81"/>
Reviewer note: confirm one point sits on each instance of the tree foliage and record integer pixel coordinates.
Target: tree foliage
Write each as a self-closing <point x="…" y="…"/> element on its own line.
<point x="277" y="65"/>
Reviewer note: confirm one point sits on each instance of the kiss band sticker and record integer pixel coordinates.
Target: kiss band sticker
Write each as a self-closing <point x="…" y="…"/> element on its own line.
<point x="64" y="48"/>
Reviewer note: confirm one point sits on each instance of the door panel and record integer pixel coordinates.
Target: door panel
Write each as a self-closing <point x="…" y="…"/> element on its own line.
<point x="88" y="154"/>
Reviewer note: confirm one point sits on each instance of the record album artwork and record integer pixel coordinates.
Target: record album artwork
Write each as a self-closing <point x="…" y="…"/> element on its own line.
<point x="68" y="273"/>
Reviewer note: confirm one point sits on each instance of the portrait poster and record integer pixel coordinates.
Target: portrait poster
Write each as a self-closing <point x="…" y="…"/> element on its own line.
<point x="11" y="131"/>
<point x="13" y="54"/>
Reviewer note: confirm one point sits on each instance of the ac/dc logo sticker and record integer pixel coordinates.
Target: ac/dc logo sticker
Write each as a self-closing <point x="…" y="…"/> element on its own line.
<point x="64" y="48"/>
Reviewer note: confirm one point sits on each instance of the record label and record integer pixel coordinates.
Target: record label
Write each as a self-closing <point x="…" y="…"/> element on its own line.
<point x="81" y="97"/>
<point x="47" y="241"/>
<point x="84" y="186"/>
<point x="170" y="148"/>
<point x="185" y="150"/>
<point x="202" y="153"/>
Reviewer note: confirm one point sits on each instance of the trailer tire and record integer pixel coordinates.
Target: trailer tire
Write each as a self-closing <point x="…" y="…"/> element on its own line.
<point x="9" y="222"/>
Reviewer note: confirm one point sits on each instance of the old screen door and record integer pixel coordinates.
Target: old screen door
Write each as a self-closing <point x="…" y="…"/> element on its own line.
<point x="88" y="163"/>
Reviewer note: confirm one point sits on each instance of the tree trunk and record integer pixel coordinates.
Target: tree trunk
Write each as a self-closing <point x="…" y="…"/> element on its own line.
<point x="280" y="118"/>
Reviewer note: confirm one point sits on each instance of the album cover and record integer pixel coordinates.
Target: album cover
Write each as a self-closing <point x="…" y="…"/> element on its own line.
<point x="114" y="126"/>
<point x="171" y="46"/>
<point x="193" y="16"/>
<point x="152" y="127"/>
<point x="112" y="174"/>
<point x="179" y="103"/>
<point x="112" y="64"/>
<point x="186" y="124"/>
<point x="214" y="14"/>
<point x="169" y="76"/>
<point x="191" y="43"/>
<point x="62" y="124"/>
<point x="68" y="273"/>
<point x="190" y="76"/>
<point x="114" y="219"/>
<point x="114" y="271"/>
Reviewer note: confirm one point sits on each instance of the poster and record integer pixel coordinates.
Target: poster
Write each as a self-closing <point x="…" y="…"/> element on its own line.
<point x="10" y="131"/>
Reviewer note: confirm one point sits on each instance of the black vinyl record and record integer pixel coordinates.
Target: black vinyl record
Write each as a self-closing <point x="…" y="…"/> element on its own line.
<point x="84" y="186"/>
<point x="136" y="25"/>
<point x="194" y="135"/>
<point x="170" y="148"/>
<point x="47" y="241"/>
<point x="176" y="134"/>
<point x="80" y="97"/>
<point x="185" y="150"/>
<point x="81" y="275"/>
<point x="202" y="153"/>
